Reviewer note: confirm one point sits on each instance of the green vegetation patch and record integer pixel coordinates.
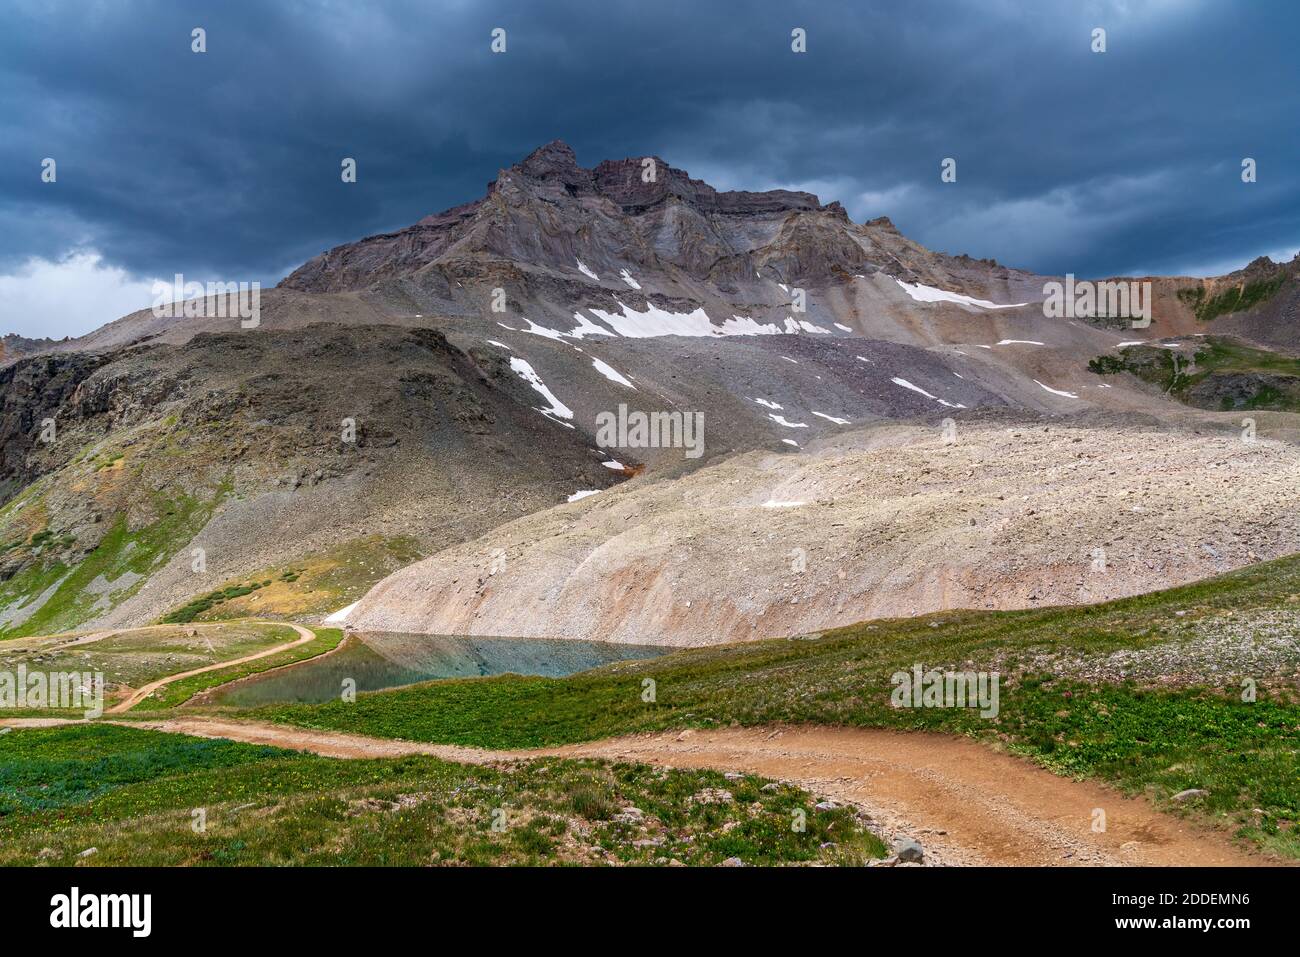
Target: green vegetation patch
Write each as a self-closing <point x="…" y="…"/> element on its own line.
<point x="132" y="657"/>
<point x="136" y="803"/>
<point x="1223" y="374"/>
<point x="1162" y="743"/>
<point x="60" y="597"/>
<point x="314" y="584"/>
<point x="204" y="603"/>
<point x="51" y="769"/>
<point x="1236" y="299"/>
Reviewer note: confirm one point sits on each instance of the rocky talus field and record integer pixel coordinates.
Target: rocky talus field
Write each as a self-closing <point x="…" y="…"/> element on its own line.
<point x="885" y="522"/>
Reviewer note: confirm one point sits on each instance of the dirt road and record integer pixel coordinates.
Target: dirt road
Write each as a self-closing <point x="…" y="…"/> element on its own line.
<point x="126" y="704"/>
<point x="965" y="803"/>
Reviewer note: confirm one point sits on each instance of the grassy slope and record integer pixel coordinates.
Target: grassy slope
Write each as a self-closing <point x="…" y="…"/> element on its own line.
<point x="134" y="658"/>
<point x="1216" y="356"/>
<point x="122" y="551"/>
<point x="1235" y="299"/>
<point x="137" y="658"/>
<point x="1141" y="738"/>
<point x="132" y="793"/>
<point x="314" y="584"/>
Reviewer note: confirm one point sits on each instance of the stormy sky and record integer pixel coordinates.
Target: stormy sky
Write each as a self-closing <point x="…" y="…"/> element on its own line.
<point x="225" y="165"/>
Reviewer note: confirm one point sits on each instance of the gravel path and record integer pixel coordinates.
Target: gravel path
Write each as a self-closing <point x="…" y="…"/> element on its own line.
<point x="304" y="635"/>
<point x="965" y="803"/>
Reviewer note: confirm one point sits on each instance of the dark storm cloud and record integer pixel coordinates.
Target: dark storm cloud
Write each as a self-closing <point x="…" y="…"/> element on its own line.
<point x="226" y="164"/>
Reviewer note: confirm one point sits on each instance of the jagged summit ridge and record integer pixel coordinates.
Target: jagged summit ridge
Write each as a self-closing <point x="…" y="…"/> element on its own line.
<point x="636" y="204"/>
<point x="637" y="183"/>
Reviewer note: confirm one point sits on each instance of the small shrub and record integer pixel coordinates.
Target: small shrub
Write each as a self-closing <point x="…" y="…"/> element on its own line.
<point x="592" y="804"/>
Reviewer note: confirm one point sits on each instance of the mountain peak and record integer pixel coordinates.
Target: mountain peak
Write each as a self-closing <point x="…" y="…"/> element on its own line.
<point x="639" y="182"/>
<point x="626" y="202"/>
<point x="554" y="157"/>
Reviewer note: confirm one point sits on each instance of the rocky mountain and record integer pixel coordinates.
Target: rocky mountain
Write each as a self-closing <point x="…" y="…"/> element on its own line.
<point x="881" y="522"/>
<point x="446" y="389"/>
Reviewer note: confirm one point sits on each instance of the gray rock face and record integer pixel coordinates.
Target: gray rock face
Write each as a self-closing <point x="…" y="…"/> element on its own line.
<point x="31" y="391"/>
<point x="637" y="183"/>
<point x="548" y="211"/>
<point x="909" y="851"/>
<point x="1241" y="390"/>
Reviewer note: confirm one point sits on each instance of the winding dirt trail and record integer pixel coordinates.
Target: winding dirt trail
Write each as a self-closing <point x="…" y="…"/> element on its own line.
<point x="964" y="802"/>
<point x="126" y="704"/>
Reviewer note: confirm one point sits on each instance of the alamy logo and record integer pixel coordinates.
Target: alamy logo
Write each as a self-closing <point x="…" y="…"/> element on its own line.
<point x="73" y="690"/>
<point x="1098" y="300"/>
<point x="651" y="430"/>
<point x="103" y="910"/>
<point x="919" y="688"/>
<point x="216" y="300"/>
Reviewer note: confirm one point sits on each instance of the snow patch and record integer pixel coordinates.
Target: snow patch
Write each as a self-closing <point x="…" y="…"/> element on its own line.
<point x="582" y="494"/>
<point x="769" y="405"/>
<point x="807" y="326"/>
<point x="1068" y="395"/>
<point x="341" y="616"/>
<point x="627" y="278"/>
<point x="659" y="322"/>
<point x="587" y="328"/>
<point x="780" y="420"/>
<point x="923" y="293"/>
<point x="527" y="373"/>
<point x="612" y="374"/>
<point x="542" y="331"/>
<point x="915" y="388"/>
<point x="582" y="268"/>
<point x="831" y="418"/>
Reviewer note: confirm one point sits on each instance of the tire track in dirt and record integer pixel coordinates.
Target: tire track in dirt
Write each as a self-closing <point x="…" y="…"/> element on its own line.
<point x="965" y="802"/>
<point x="304" y="635"/>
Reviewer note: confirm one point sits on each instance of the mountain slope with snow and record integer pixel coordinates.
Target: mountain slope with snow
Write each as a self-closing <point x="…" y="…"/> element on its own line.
<point x="476" y="354"/>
